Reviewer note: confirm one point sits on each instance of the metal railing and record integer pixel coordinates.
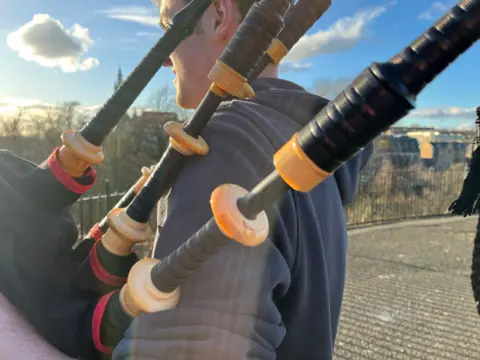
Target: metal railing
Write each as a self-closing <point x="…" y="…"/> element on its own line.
<point x="386" y="193"/>
<point x="393" y="194"/>
<point x="89" y="210"/>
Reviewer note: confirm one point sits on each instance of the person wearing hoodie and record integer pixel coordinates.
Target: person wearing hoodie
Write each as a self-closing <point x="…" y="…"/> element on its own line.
<point x="282" y="299"/>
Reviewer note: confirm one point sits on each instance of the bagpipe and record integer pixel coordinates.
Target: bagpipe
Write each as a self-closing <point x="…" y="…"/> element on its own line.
<point x="69" y="291"/>
<point x="103" y="282"/>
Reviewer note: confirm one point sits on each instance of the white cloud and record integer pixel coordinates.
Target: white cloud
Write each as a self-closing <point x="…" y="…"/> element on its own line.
<point x="138" y="14"/>
<point x="330" y="87"/>
<point x="130" y="44"/>
<point x="344" y="34"/>
<point x="293" y="67"/>
<point x="149" y="34"/>
<point x="452" y="117"/>
<point x="466" y="126"/>
<point x="10" y="106"/>
<point x="444" y="112"/>
<point x="435" y="10"/>
<point x="37" y="107"/>
<point x="47" y="42"/>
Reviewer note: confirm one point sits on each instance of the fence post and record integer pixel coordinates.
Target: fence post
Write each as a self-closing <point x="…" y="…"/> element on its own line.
<point x="107" y="195"/>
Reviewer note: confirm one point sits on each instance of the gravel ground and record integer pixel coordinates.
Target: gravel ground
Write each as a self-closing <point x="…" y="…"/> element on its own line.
<point x="408" y="293"/>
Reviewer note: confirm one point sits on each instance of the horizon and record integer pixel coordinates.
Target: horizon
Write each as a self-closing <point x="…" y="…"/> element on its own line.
<point x="56" y="52"/>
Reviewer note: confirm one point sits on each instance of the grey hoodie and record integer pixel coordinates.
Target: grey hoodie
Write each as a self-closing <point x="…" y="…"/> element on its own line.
<point x="280" y="300"/>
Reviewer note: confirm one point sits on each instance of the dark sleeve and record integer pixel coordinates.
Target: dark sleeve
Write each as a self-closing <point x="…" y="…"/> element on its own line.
<point x="348" y="175"/>
<point x="227" y="308"/>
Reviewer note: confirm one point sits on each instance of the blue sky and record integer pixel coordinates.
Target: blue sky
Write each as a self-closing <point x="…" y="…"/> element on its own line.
<point x="351" y="35"/>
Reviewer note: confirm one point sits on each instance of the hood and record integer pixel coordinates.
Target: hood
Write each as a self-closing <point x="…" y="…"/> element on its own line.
<point x="301" y="106"/>
<point x="288" y="98"/>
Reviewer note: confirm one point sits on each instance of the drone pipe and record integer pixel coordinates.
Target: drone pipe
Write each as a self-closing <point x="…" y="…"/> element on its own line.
<point x="81" y="249"/>
<point x="299" y="19"/>
<point x="183" y="25"/>
<point x="69" y="168"/>
<point x="97" y="231"/>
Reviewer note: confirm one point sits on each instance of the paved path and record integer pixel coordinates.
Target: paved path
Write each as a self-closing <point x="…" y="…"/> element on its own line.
<point x="408" y="293"/>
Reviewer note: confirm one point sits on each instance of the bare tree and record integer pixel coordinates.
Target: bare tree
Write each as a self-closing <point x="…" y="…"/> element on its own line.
<point x="164" y="100"/>
<point x="54" y="121"/>
<point x="13" y="125"/>
<point x="11" y="128"/>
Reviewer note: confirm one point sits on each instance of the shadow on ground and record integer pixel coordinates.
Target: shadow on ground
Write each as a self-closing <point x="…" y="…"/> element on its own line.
<point x="408" y="293"/>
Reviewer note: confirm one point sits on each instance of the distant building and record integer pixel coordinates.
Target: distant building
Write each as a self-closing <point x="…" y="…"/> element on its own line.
<point x="442" y="148"/>
<point x="439" y="148"/>
<point x="433" y="134"/>
<point x="402" y="130"/>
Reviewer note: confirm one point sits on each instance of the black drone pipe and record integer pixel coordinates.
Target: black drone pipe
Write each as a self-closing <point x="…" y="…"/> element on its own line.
<point x="83" y="246"/>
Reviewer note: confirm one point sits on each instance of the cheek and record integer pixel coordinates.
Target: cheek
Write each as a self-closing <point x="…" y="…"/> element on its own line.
<point x="181" y="56"/>
<point x="187" y="59"/>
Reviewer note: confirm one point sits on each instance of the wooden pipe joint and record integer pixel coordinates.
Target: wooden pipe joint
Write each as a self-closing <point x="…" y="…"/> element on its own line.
<point x="296" y="168"/>
<point x="232" y="222"/>
<point x="77" y="154"/>
<point x="124" y="233"/>
<point x="139" y="294"/>
<point x="277" y="51"/>
<point x="184" y="143"/>
<point x="146" y="172"/>
<point x="230" y="81"/>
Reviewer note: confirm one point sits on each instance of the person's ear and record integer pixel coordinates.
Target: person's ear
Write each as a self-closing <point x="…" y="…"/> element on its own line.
<point x="225" y="18"/>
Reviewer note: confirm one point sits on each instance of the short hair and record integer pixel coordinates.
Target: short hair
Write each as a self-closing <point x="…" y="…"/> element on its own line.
<point x="243" y="6"/>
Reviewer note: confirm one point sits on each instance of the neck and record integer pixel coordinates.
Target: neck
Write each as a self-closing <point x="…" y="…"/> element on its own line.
<point x="270" y="71"/>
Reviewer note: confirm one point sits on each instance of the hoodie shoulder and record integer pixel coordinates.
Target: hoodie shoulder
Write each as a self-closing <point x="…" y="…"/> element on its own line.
<point x="248" y="127"/>
<point x="240" y="154"/>
<point x="275" y="114"/>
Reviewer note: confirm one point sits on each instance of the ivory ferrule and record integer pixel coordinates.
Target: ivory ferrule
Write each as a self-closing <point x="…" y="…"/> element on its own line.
<point x="184" y="143"/>
<point x="146" y="172"/>
<point x="277" y="51"/>
<point x="296" y="168"/>
<point x="124" y="233"/>
<point x="139" y="294"/>
<point x="230" y="81"/>
<point x="77" y="154"/>
<point x="231" y="222"/>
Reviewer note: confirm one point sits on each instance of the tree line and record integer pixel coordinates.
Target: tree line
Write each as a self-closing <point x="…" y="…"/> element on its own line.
<point x="135" y="142"/>
<point x="32" y="133"/>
